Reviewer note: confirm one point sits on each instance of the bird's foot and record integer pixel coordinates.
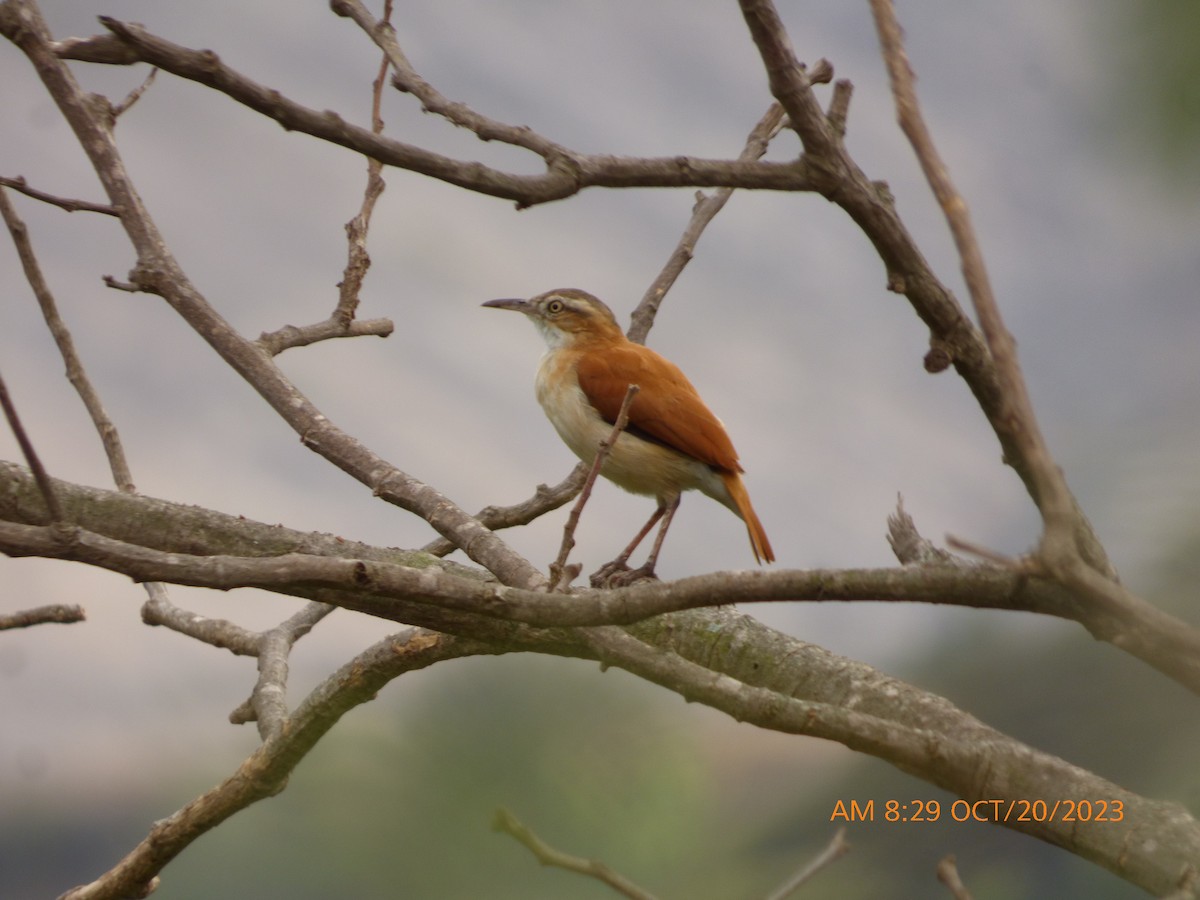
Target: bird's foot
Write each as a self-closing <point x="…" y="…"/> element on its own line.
<point x="618" y="574"/>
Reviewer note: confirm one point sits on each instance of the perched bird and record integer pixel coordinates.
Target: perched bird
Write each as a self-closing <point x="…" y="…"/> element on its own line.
<point x="672" y="443"/>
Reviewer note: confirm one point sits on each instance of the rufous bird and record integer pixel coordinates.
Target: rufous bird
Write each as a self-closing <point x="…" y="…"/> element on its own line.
<point x="672" y="443"/>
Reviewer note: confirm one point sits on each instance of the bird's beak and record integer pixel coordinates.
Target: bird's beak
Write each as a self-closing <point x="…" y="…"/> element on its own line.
<point x="521" y="306"/>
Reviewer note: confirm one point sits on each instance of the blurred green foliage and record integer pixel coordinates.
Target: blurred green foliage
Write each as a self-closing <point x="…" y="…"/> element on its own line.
<point x="1154" y="72"/>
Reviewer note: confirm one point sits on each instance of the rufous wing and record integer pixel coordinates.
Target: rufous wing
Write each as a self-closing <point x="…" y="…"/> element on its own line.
<point x="666" y="408"/>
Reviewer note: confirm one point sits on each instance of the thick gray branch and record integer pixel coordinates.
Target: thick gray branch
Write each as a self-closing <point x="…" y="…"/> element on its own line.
<point x="417" y="589"/>
<point x="799" y="688"/>
<point x="728" y="661"/>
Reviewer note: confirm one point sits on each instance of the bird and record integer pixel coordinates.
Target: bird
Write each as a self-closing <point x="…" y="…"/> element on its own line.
<point x="672" y="442"/>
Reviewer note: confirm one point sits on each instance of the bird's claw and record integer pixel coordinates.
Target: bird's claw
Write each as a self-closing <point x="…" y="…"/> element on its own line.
<point x="617" y="574"/>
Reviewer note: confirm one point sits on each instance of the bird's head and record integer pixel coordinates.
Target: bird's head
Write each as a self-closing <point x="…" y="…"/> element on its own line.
<point x="566" y="316"/>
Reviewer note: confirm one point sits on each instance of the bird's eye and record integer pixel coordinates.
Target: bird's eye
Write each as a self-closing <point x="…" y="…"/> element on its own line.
<point x="554" y="307"/>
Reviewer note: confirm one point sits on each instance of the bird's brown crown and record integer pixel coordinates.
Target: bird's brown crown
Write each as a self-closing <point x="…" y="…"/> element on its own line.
<point x="574" y="311"/>
<point x="567" y="317"/>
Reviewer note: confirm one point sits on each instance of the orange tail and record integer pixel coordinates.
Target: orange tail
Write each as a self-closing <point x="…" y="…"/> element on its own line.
<point x="741" y="499"/>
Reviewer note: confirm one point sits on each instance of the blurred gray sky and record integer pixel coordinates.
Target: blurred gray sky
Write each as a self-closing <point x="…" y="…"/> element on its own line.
<point x="782" y="320"/>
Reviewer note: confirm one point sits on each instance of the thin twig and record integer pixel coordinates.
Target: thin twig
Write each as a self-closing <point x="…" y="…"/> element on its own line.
<point x="567" y="171"/>
<point x="947" y="874"/>
<point x="545" y="499"/>
<point x="45" y="486"/>
<point x="909" y="546"/>
<point x="703" y="212"/>
<point x="359" y="259"/>
<point x="505" y="822"/>
<point x="560" y="575"/>
<point x="133" y="96"/>
<point x="19" y="184"/>
<point x="342" y="322"/>
<point x="834" y="850"/>
<point x="268" y="701"/>
<point x="407" y="80"/>
<point x="76" y="374"/>
<point x="985" y="553"/>
<point x="290" y="336"/>
<point x="58" y="613"/>
<point x="20" y="236"/>
<point x="221" y="633"/>
<point x="157" y="602"/>
<point x="839" y="106"/>
<point x="118" y="284"/>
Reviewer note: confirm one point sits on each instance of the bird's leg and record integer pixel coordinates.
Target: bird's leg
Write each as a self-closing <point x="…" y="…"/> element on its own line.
<point x="603" y="577"/>
<point x="652" y="559"/>
<point x="617" y="573"/>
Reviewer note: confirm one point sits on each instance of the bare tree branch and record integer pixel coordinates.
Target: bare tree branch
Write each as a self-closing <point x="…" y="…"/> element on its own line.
<point x="1069" y="550"/>
<point x="114" y="451"/>
<point x="947" y="874"/>
<point x="49" y="497"/>
<point x="265" y="772"/>
<point x="42" y="615"/>
<point x="289" y="336"/>
<point x="268" y="702"/>
<point x="703" y="212"/>
<point x="504" y="821"/>
<point x="960" y="753"/>
<point x="704" y="660"/>
<point x="568" y="171"/>
<point x="408" y="81"/>
<point x="909" y="547"/>
<point x="1187" y="887"/>
<point x="356" y="229"/>
<point x="545" y="499"/>
<point x="342" y="322"/>
<point x="19" y="184"/>
<point x="159" y="610"/>
<point x="106" y="49"/>
<point x="158" y="272"/>
<point x="370" y="580"/>
<point x="839" y="180"/>
<point x="76" y="374"/>
<point x="789" y="80"/>
<point x="134" y="96"/>
<point x="836" y="177"/>
<point x="837" y="847"/>
<point x="1065" y="524"/>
